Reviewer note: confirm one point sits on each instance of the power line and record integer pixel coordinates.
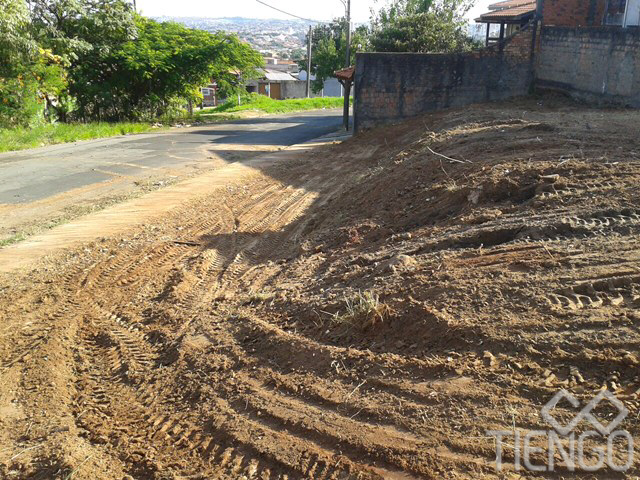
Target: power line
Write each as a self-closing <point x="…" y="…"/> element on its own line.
<point x="287" y="13"/>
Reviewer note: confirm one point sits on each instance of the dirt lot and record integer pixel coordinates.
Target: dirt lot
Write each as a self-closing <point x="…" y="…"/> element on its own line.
<point x="365" y="311"/>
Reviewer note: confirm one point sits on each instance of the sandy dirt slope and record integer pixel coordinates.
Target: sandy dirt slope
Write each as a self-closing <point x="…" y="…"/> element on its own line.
<point x="241" y="338"/>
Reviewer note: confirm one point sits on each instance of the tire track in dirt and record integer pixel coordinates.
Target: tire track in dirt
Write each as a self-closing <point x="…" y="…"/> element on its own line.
<point x="127" y="356"/>
<point x="210" y="345"/>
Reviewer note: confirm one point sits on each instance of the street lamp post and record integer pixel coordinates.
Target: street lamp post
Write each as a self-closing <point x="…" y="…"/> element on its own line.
<point x="309" y="47"/>
<point x="347" y="86"/>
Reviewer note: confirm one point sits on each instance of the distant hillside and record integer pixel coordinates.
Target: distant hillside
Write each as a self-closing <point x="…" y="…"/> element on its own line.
<point x="281" y="38"/>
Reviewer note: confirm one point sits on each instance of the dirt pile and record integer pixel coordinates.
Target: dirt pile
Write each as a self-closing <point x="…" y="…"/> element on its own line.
<point x="366" y="311"/>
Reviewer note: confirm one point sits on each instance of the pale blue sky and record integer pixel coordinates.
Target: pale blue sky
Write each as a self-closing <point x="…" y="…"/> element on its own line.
<point x="318" y="10"/>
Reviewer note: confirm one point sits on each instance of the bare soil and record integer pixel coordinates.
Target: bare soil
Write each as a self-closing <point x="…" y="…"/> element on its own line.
<point x="24" y="220"/>
<point x="224" y="341"/>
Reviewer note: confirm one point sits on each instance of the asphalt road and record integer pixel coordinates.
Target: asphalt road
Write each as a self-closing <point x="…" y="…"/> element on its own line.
<point x="37" y="174"/>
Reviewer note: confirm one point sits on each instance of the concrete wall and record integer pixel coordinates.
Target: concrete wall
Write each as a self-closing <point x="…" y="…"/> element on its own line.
<point x="391" y="87"/>
<point x="295" y="90"/>
<point x="332" y="87"/>
<point x="594" y="64"/>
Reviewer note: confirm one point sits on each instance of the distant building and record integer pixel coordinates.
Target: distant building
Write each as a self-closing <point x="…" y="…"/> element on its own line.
<point x="277" y="85"/>
<point x="332" y="87"/>
<point x="281" y="85"/>
<point x="506" y="18"/>
<point x="282" y="65"/>
<point x="210" y="94"/>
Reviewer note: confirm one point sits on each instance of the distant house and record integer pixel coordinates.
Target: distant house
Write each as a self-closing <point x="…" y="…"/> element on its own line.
<point x="210" y="94"/>
<point x="288" y="66"/>
<point x="277" y="85"/>
<point x="506" y="18"/>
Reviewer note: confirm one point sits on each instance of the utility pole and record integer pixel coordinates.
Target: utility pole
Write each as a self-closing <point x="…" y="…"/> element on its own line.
<point x="135" y="8"/>
<point x="347" y="87"/>
<point x="309" y="43"/>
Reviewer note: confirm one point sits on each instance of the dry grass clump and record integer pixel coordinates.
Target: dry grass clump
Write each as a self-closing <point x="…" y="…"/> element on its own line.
<point x="363" y="310"/>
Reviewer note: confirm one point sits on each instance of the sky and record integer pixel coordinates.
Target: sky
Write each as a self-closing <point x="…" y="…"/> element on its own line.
<point x="317" y="10"/>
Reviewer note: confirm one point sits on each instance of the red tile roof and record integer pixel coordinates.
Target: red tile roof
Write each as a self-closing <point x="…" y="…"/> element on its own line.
<point x="509" y="11"/>
<point x="510" y="4"/>
<point x="346" y="74"/>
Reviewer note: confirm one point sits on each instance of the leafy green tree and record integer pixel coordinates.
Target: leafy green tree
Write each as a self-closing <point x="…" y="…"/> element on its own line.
<point x="329" y="49"/>
<point x="96" y="59"/>
<point x="79" y="28"/>
<point x="16" y="46"/>
<point x="164" y="66"/>
<point x="28" y="74"/>
<point x="423" y="26"/>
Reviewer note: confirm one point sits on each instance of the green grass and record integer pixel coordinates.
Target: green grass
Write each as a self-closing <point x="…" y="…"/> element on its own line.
<point x="23" y="138"/>
<point x="265" y="104"/>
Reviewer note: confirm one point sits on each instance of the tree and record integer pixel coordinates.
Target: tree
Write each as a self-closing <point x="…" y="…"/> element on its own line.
<point x="80" y="34"/>
<point x="423" y="26"/>
<point x="28" y="73"/>
<point x="164" y="66"/>
<point x="97" y="59"/>
<point x="78" y="28"/>
<point x="329" y="49"/>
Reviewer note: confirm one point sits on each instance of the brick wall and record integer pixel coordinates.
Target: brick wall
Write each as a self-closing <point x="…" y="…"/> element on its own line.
<point x="574" y="13"/>
<point x="391" y="87"/>
<point x="594" y="64"/>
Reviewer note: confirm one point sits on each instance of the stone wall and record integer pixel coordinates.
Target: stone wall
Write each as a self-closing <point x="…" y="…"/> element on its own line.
<point x="594" y="64"/>
<point x="390" y="87"/>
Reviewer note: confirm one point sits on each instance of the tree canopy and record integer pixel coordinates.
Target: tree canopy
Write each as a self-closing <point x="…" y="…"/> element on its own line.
<point x="98" y="59"/>
<point x="165" y="64"/>
<point x="329" y="49"/>
<point x="423" y="26"/>
<point x="420" y="26"/>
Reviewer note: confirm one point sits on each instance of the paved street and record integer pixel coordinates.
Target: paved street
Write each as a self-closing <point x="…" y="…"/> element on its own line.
<point x="35" y="175"/>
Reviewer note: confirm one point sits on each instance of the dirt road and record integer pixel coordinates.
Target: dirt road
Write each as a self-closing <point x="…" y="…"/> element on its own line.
<point x="365" y="310"/>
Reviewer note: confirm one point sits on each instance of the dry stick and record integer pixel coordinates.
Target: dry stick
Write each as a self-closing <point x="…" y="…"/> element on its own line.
<point x="25" y="450"/>
<point x="354" y="390"/>
<point x="445" y="172"/>
<point x="188" y="244"/>
<point x="448" y="158"/>
<point x="547" y="250"/>
<point x="78" y="467"/>
<point x="352" y="416"/>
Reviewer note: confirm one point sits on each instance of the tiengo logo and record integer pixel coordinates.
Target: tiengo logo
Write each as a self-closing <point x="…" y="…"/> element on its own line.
<point x="562" y="441"/>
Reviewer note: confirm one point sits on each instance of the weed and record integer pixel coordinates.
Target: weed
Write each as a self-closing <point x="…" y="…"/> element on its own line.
<point x="258" y="297"/>
<point x="364" y="309"/>
<point x="19" y="237"/>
